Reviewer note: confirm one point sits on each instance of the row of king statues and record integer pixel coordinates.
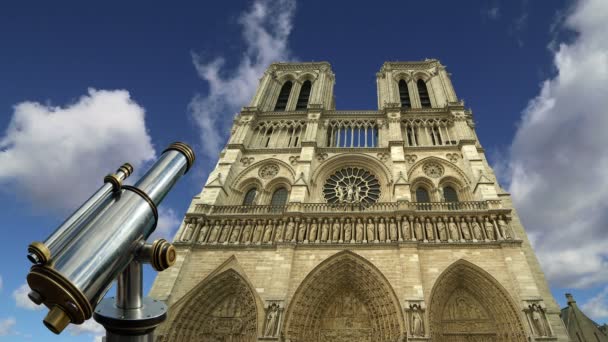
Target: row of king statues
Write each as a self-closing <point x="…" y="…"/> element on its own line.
<point x="346" y="230"/>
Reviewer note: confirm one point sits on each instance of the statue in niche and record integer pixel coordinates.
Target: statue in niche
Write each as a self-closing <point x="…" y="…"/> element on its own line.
<point x="324" y="230"/>
<point x="417" y="323"/>
<point x="348" y="230"/>
<point x="477" y="234"/>
<point x="271" y="320"/>
<point x="382" y="230"/>
<point x="502" y="225"/>
<point x="489" y="229"/>
<point x="443" y="233"/>
<point x="453" y="228"/>
<point x="247" y="232"/>
<point x="340" y="194"/>
<point x="349" y="193"/>
<point x="267" y="232"/>
<point x="418" y="230"/>
<point x="312" y="234"/>
<point x="188" y="231"/>
<point x="428" y="227"/>
<point x="359" y="230"/>
<point x="405" y="229"/>
<point x="257" y="231"/>
<point x="538" y="319"/>
<point x="278" y="236"/>
<point x="301" y="231"/>
<point x="234" y="236"/>
<point x="466" y="234"/>
<point x="215" y="231"/>
<point x="335" y="231"/>
<point x="392" y="229"/>
<point x="203" y="233"/>
<point x="225" y="231"/>
<point x="370" y="230"/>
<point x="289" y="230"/>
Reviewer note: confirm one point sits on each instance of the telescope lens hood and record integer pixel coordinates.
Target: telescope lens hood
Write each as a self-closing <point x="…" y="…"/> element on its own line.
<point x="185" y="150"/>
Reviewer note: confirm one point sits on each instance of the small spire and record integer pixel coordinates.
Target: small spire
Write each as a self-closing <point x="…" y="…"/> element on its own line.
<point x="570" y="299"/>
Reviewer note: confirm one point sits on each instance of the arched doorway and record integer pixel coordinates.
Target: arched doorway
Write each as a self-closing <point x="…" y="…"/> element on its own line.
<point x="221" y="309"/>
<point x="345" y="298"/>
<point x="468" y="304"/>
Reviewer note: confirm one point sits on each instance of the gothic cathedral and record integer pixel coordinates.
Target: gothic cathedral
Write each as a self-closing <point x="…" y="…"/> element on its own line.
<point x="325" y="225"/>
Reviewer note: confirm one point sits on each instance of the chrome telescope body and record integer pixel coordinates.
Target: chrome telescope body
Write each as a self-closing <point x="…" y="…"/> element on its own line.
<point x="106" y="241"/>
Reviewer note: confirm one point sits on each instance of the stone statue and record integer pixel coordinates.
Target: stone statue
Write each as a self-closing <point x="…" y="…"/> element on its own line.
<point x="271" y="320"/>
<point x="538" y="320"/>
<point x="428" y="227"/>
<point x="418" y="230"/>
<point x="312" y="233"/>
<point x="349" y="194"/>
<point x="417" y="324"/>
<point x="289" y="230"/>
<point x="214" y="232"/>
<point x="301" y="231"/>
<point x="392" y="229"/>
<point x="371" y="236"/>
<point x="247" y="232"/>
<point x="466" y="234"/>
<point x="504" y="231"/>
<point x="477" y="234"/>
<point x="489" y="229"/>
<point x="405" y="229"/>
<point x="324" y="231"/>
<point x="234" y="236"/>
<point x="188" y="231"/>
<point x="278" y="236"/>
<point x="443" y="233"/>
<point x="225" y="231"/>
<point x="382" y="230"/>
<point x="335" y="231"/>
<point x="348" y="230"/>
<point x="267" y="232"/>
<point x="202" y="235"/>
<point x="359" y="231"/>
<point x="340" y="194"/>
<point x="257" y="232"/>
<point x="453" y="228"/>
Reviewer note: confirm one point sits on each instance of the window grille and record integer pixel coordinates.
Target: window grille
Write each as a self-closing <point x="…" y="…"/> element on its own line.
<point x="423" y="92"/>
<point x="250" y="197"/>
<point x="304" y="96"/>
<point x="404" y="95"/>
<point x="352" y="133"/>
<point x="279" y="197"/>
<point x="283" y="97"/>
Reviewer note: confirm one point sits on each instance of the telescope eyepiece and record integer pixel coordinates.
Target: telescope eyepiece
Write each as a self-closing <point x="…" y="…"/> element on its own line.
<point x="56" y="320"/>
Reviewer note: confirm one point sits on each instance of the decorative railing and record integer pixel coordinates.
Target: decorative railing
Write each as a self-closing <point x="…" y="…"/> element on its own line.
<point x="380" y="207"/>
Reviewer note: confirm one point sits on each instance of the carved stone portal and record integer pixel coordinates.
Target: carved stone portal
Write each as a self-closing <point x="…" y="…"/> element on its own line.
<point x="345" y="299"/>
<point x="223" y="309"/>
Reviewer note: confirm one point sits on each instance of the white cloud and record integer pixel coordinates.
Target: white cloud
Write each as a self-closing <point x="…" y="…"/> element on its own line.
<point x="6" y="326"/>
<point x="57" y="156"/>
<point x="88" y="327"/>
<point x="1" y="284"/>
<point x="168" y="222"/>
<point x="266" y="27"/>
<point x="558" y="161"/>
<point x="597" y="306"/>
<point x="22" y="300"/>
<point x="491" y="13"/>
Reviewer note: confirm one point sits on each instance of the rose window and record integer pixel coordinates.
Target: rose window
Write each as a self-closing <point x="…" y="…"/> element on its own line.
<point x="352" y="185"/>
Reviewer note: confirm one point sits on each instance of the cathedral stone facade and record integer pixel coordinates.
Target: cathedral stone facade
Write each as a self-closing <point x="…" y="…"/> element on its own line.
<point x="381" y="225"/>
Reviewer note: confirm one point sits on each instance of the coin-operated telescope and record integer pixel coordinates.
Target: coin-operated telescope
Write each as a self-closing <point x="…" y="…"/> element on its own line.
<point x="104" y="240"/>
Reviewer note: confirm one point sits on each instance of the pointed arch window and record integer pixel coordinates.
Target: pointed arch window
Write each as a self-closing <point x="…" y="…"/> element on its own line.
<point x="422" y="195"/>
<point x="304" y="95"/>
<point x="283" y="96"/>
<point x="404" y="95"/>
<point x="449" y="194"/>
<point x="423" y="92"/>
<point x="250" y="197"/>
<point x="279" y="197"/>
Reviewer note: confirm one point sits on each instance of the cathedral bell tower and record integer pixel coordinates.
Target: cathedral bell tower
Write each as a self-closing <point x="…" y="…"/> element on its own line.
<point x="380" y="225"/>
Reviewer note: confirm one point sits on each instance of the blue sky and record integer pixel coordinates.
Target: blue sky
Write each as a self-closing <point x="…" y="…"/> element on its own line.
<point x="85" y="87"/>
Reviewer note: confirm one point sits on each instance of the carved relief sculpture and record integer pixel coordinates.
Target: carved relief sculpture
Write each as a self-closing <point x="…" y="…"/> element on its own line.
<point x="202" y="235"/>
<point x="348" y="230"/>
<point x="301" y="231"/>
<point x="371" y="234"/>
<point x="188" y="231"/>
<point x="289" y="230"/>
<point x="428" y="228"/>
<point x="392" y="228"/>
<point x="417" y="324"/>
<point x="453" y="228"/>
<point x="312" y="235"/>
<point x="234" y="236"/>
<point x="477" y="234"/>
<point x="225" y="231"/>
<point x="418" y="230"/>
<point x="335" y="231"/>
<point x="247" y="232"/>
<point x="504" y="228"/>
<point x="324" y="230"/>
<point x="359" y="231"/>
<point x="405" y="229"/>
<point x="272" y="315"/>
<point x="538" y="320"/>
<point x="267" y="232"/>
<point x="278" y="236"/>
<point x="382" y="230"/>
<point x="489" y="229"/>
<point x="257" y="232"/>
<point x="443" y="234"/>
<point x="215" y="232"/>
<point x="466" y="234"/>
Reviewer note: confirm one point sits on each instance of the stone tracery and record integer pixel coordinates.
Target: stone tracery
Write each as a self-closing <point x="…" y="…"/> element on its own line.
<point x="352" y="185"/>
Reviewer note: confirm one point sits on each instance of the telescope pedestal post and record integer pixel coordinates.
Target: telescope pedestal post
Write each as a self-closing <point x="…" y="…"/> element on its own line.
<point x="130" y="317"/>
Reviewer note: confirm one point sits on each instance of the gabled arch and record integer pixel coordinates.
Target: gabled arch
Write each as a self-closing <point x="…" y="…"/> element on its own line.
<point x="239" y="180"/>
<point x="344" y="285"/>
<point x="222" y="306"/>
<point x="457" y="172"/>
<point x="466" y="301"/>
<point x="307" y="76"/>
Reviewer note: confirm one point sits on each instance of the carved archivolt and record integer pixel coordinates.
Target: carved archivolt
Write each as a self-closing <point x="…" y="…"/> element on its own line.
<point x="344" y="299"/>
<point x="468" y="304"/>
<point x="224" y="309"/>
